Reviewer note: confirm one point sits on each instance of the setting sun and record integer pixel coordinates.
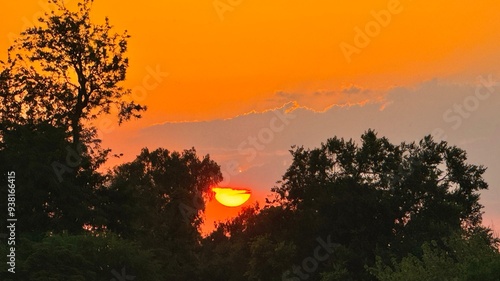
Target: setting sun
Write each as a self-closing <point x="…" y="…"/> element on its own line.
<point x="231" y="197"/>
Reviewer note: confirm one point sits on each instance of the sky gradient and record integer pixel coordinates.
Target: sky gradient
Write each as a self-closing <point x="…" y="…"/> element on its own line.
<point x="217" y="74"/>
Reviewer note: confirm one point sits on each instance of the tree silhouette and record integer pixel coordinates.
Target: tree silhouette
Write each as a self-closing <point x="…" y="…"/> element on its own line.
<point x="66" y="71"/>
<point x="146" y="201"/>
<point x="45" y="204"/>
<point x="416" y="186"/>
<point x="59" y="76"/>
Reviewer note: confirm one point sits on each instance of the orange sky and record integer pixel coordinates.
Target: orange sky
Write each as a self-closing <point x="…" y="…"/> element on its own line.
<point x="221" y="68"/>
<point x="225" y="65"/>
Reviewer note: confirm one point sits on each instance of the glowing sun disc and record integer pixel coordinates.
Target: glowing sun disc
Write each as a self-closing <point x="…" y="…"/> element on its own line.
<point x="231" y="197"/>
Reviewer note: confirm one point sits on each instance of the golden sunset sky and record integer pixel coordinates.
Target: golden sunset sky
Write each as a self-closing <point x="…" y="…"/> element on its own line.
<point x="203" y="62"/>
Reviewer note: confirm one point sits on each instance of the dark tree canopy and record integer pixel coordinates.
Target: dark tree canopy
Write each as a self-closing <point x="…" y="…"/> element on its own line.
<point x="158" y="200"/>
<point x="424" y="179"/>
<point x="158" y="182"/>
